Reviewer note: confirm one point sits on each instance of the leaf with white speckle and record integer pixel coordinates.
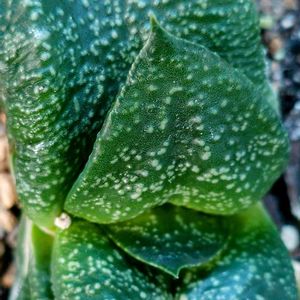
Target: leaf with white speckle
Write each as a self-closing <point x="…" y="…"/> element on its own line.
<point x="58" y="81"/>
<point x="172" y="238"/>
<point x="61" y="65"/>
<point x="255" y="266"/>
<point x="33" y="257"/>
<point x="186" y="128"/>
<point x="227" y="27"/>
<point x="87" y="265"/>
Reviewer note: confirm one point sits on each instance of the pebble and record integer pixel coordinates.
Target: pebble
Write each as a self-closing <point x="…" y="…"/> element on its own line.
<point x="290" y="4"/>
<point x="2" y="118"/>
<point x="275" y="45"/>
<point x="8" y="278"/>
<point x="288" y="21"/>
<point x="8" y="194"/>
<point x="290" y="237"/>
<point x="4" y="148"/>
<point x="63" y="221"/>
<point x="7" y="220"/>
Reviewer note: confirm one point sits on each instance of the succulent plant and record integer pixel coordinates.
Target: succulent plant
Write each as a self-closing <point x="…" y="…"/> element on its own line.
<point x="143" y="136"/>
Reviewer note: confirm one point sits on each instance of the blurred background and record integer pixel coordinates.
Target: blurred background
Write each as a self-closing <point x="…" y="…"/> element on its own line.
<point x="280" y="29"/>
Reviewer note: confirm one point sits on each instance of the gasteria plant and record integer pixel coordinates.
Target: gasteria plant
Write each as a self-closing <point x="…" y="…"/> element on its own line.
<point x="147" y="132"/>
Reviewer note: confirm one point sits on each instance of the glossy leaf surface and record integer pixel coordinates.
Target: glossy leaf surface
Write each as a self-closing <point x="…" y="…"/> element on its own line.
<point x="61" y="65"/>
<point x="256" y="265"/>
<point x="86" y="265"/>
<point x="171" y="238"/>
<point x="227" y="27"/>
<point x="39" y="266"/>
<point x="52" y="58"/>
<point x="186" y="128"/>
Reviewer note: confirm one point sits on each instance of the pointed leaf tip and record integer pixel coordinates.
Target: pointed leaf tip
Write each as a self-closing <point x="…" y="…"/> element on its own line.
<point x="153" y="21"/>
<point x="155" y="25"/>
<point x="186" y="146"/>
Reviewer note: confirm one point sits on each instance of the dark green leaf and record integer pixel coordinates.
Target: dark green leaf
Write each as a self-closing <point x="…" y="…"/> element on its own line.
<point x="186" y="128"/>
<point x="61" y="64"/>
<point x="228" y="27"/>
<point x="39" y="267"/>
<point x="256" y="265"/>
<point x="53" y="57"/>
<point x="171" y="238"/>
<point x="86" y="265"/>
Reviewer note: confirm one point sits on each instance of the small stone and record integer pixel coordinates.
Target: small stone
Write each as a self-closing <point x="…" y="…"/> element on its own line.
<point x="288" y="21"/>
<point x="290" y="4"/>
<point x="7" y="220"/>
<point x="275" y="45"/>
<point x="290" y="237"/>
<point x="63" y="221"/>
<point x="4" y="151"/>
<point x="9" y="276"/>
<point x="3" y="118"/>
<point x="8" y="194"/>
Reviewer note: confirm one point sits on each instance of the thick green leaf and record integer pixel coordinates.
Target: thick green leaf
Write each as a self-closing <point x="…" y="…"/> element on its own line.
<point x="228" y="27"/>
<point x="256" y="265"/>
<point x="86" y="265"/>
<point x="39" y="267"/>
<point x="171" y="238"/>
<point x="33" y="257"/>
<point x="61" y="64"/>
<point x="55" y="61"/>
<point x="186" y="128"/>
